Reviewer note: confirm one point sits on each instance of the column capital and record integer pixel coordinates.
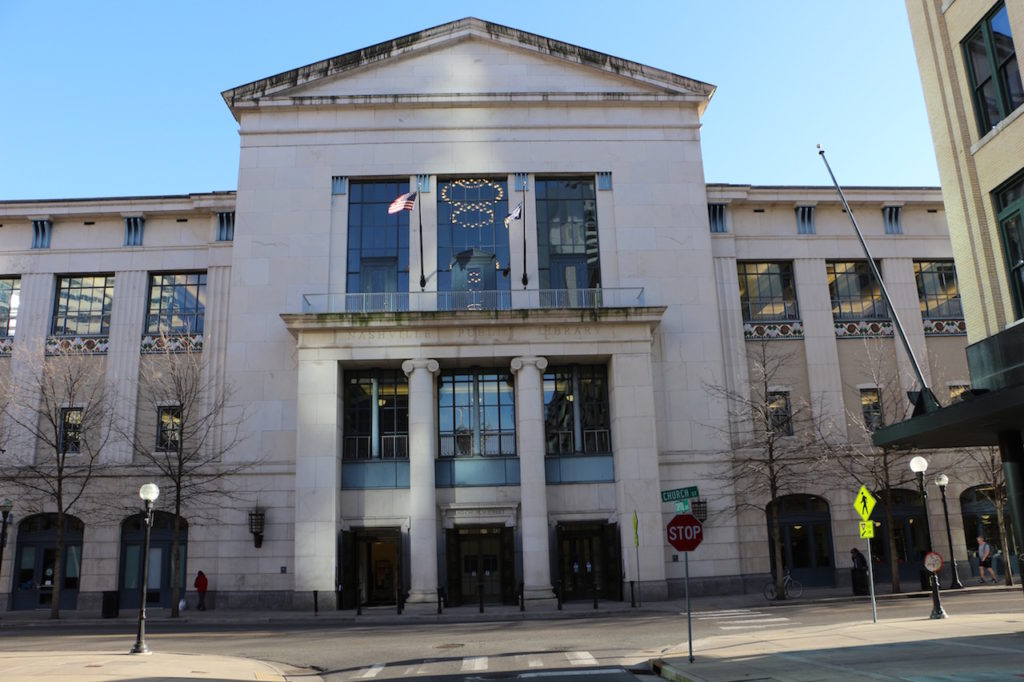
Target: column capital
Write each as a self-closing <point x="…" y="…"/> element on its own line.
<point x="410" y="366"/>
<point x="524" y="361"/>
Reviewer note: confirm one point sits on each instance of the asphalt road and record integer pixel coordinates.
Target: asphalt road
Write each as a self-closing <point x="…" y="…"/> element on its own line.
<point x="478" y="650"/>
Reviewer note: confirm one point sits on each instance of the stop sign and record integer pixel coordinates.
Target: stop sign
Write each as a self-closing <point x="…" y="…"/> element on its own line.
<point x="685" y="532"/>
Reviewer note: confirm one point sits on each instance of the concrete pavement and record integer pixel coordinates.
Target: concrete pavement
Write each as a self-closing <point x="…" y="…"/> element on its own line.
<point x="910" y="648"/>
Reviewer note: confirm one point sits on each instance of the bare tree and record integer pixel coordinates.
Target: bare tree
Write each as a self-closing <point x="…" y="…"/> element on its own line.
<point x="186" y="429"/>
<point x="774" y="440"/>
<point x="883" y="470"/>
<point x="59" y="408"/>
<point x="987" y="466"/>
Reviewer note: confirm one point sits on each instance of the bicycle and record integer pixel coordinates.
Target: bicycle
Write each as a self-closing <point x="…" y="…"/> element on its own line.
<point x="793" y="588"/>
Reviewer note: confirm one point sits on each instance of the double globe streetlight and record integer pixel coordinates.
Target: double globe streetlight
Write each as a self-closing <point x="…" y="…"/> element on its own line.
<point x="148" y="492"/>
<point x="919" y="465"/>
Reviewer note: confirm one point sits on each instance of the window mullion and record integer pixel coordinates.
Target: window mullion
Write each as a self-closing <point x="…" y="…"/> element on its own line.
<point x="577" y="422"/>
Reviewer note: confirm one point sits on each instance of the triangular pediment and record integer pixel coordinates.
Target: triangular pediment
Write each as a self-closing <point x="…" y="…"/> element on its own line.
<point x="468" y="58"/>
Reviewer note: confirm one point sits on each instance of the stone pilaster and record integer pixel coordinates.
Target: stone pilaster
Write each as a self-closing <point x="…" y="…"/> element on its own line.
<point x="422" y="497"/>
<point x="126" y="327"/>
<point x="532" y="481"/>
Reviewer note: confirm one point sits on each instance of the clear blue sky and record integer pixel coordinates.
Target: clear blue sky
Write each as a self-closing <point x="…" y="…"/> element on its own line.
<point x="123" y="98"/>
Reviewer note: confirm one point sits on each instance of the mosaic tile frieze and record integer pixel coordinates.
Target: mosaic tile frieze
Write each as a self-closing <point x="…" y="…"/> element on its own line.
<point x="863" y="329"/>
<point x="97" y="345"/>
<point x="793" y="329"/>
<point x="945" y="327"/>
<point x="178" y="343"/>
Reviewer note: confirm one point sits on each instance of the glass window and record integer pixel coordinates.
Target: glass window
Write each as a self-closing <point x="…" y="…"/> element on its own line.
<point x="177" y="303"/>
<point x="10" y="296"/>
<point x="477" y="415"/>
<point x="83" y="305"/>
<point x="71" y="430"/>
<point x="376" y="418"/>
<point x="780" y="414"/>
<point x="937" y="289"/>
<point x="1009" y="202"/>
<point x="855" y="293"/>
<point x="567" y="245"/>
<point x="168" y="434"/>
<point x="576" y="416"/>
<point x="805" y="220"/>
<point x="871" y="408"/>
<point x="891" y="216"/>
<point x="767" y="291"/>
<point x="378" y="243"/>
<point x="991" y="62"/>
<point x="716" y="217"/>
<point x="472" y="243"/>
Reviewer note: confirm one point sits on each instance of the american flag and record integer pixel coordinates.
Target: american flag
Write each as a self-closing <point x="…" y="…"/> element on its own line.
<point x="516" y="214"/>
<point x="403" y="203"/>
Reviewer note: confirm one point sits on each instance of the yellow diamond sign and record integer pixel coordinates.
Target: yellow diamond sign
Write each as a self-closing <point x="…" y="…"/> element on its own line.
<point x="867" y="530"/>
<point x="865" y="503"/>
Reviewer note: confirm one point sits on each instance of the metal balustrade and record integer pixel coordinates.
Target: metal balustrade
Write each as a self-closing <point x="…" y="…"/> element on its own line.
<point x="431" y="301"/>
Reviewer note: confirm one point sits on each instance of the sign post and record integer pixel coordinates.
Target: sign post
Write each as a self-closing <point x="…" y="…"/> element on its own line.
<point x="685" y="533"/>
<point x="864" y="505"/>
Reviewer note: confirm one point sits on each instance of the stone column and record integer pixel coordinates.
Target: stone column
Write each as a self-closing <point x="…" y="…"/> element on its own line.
<point x="532" y="481"/>
<point x="422" y="497"/>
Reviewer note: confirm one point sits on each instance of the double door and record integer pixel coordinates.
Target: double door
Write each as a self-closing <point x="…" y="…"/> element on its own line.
<point x="481" y="565"/>
<point x="588" y="560"/>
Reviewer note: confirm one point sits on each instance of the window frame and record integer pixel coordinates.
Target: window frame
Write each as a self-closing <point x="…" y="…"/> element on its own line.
<point x="780" y="418"/>
<point x="925" y="279"/>
<point x="193" y="315"/>
<point x="997" y="73"/>
<point x="476" y="440"/>
<point x="385" y="411"/>
<point x="589" y="417"/>
<point x="783" y="281"/>
<point x="62" y="317"/>
<point x="1008" y="199"/>
<point x="164" y="433"/>
<point x="10" y="300"/>
<point x="841" y="302"/>
<point x="70" y="439"/>
<point x="871" y="411"/>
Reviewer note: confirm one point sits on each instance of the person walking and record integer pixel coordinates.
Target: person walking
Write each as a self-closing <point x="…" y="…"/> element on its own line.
<point x="985" y="559"/>
<point x="201" y="584"/>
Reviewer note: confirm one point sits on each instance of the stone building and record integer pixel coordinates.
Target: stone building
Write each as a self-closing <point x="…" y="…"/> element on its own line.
<point x="469" y="300"/>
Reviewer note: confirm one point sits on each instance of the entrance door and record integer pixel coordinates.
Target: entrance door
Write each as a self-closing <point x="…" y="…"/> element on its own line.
<point x="35" y="562"/>
<point x="480" y="562"/>
<point x="806" y="527"/>
<point x="588" y="558"/>
<point x="371" y="567"/>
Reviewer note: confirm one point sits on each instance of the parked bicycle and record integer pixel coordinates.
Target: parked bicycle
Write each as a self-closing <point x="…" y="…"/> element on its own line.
<point x="793" y="588"/>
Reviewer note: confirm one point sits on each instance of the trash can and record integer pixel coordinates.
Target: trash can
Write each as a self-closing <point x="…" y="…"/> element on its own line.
<point x="926" y="579"/>
<point x="859" y="580"/>
<point x="111" y="604"/>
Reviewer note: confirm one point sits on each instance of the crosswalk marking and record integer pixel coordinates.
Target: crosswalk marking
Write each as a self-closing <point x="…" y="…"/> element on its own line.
<point x="758" y="620"/>
<point x="371" y="672"/>
<point x="580" y="658"/>
<point x="474" y="663"/>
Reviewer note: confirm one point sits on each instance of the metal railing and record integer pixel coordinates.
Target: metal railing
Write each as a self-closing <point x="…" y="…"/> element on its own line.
<point x="430" y="301"/>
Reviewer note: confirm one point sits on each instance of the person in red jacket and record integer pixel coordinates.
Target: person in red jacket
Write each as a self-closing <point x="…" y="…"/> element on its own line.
<point x="201" y="584"/>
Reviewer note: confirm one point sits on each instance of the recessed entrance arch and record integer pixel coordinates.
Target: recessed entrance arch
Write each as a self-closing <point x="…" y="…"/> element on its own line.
<point x="908" y="531"/>
<point x="35" y="559"/>
<point x="160" y="574"/>
<point x="806" y="526"/>
<point x="978" y="511"/>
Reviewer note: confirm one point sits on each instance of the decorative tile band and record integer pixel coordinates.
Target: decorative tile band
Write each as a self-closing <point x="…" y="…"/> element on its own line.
<point x="863" y="328"/>
<point x="77" y="344"/>
<point x="773" y="330"/>
<point x="945" y="327"/>
<point x="6" y="345"/>
<point x="178" y="343"/>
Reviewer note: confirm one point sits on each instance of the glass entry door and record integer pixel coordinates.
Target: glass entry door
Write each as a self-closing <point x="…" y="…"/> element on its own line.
<point x="480" y="561"/>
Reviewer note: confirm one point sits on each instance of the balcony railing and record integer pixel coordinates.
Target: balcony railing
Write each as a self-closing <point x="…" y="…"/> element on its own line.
<point x="430" y="301"/>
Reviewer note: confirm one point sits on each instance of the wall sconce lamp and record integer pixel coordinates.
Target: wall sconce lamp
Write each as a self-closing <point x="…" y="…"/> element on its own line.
<point x="257" y="519"/>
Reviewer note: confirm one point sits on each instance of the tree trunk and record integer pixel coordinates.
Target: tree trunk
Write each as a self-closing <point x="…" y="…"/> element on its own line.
<point x="176" y="555"/>
<point x="58" y="561"/>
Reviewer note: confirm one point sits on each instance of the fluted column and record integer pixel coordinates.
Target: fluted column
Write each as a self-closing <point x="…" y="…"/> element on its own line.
<point x="532" y="481"/>
<point x="422" y="497"/>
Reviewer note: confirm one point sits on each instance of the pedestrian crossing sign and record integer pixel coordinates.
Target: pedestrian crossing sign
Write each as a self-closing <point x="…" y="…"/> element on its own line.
<point x="867" y="530"/>
<point x="864" y="504"/>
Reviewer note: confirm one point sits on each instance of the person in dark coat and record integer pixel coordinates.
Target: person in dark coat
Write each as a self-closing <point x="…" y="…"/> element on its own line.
<point x="201" y="584"/>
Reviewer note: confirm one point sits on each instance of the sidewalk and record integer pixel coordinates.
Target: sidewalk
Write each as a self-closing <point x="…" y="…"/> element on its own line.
<point x="875" y="650"/>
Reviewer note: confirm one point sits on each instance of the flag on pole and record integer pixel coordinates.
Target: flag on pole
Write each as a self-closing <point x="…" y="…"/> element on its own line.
<point x="403" y="203"/>
<point x="636" y="535"/>
<point x="516" y="214"/>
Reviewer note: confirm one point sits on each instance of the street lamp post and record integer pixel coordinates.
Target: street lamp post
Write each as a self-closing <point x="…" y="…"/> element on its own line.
<point x="919" y="465"/>
<point x="148" y="492"/>
<point x="942" y="480"/>
<point x="5" y="508"/>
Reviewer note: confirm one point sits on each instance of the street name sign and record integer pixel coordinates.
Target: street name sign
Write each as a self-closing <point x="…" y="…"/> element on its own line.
<point x="685" y="532"/>
<point x="865" y="503"/>
<point x="682" y="506"/>
<point x="679" y="494"/>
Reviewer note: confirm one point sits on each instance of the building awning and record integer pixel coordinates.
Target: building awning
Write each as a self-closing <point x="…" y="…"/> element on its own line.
<point x="973" y="422"/>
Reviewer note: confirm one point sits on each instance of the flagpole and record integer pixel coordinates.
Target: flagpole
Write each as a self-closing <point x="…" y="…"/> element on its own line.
<point x="419" y="212"/>
<point x="526" y="182"/>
